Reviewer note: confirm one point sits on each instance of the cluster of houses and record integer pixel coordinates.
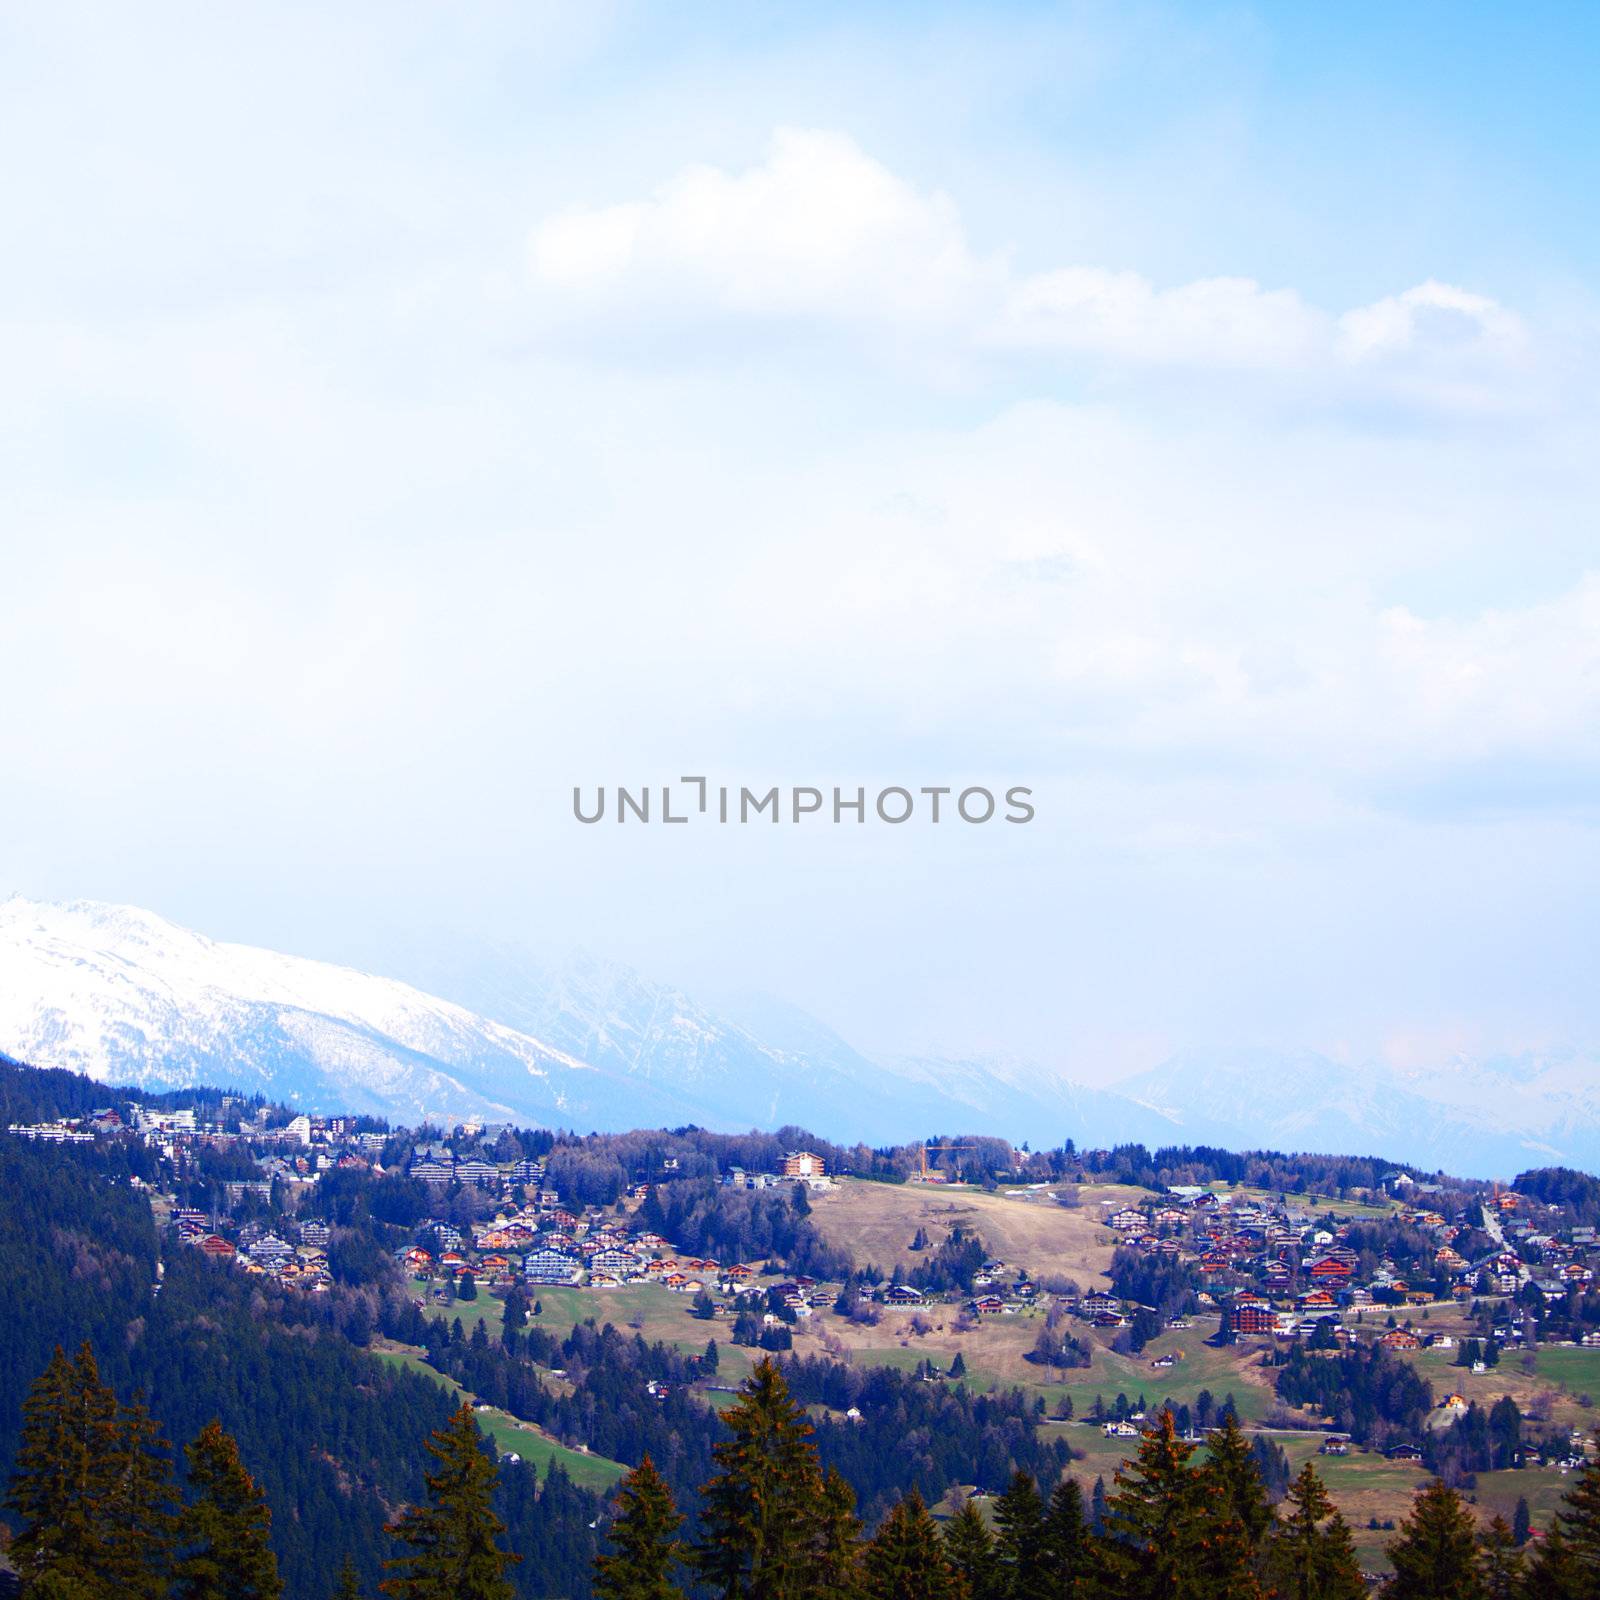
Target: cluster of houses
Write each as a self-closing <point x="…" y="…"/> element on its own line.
<point x="544" y="1243"/>
<point x="302" y="1264"/>
<point x="1272" y="1270"/>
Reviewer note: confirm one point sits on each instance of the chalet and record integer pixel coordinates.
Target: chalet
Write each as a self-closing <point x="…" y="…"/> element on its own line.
<point x="551" y="1267"/>
<point x="804" y="1164"/>
<point x="1400" y="1339"/>
<point x="902" y="1294"/>
<point x="216" y="1246"/>
<point x="1250" y="1319"/>
<point x="271" y="1251"/>
<point x="988" y="1305"/>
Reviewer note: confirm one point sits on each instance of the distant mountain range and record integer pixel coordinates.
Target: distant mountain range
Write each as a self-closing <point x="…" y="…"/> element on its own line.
<point x="128" y="997"/>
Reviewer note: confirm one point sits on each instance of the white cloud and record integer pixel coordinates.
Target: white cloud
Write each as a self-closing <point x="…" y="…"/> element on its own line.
<point x="820" y="230"/>
<point x="1215" y="321"/>
<point x="1435" y="316"/>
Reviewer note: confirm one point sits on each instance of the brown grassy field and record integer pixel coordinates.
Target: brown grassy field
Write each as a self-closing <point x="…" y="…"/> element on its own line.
<point x="876" y="1222"/>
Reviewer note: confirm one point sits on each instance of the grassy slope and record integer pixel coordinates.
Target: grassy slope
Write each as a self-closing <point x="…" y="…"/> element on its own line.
<point x="509" y="1434"/>
<point x="876" y="1223"/>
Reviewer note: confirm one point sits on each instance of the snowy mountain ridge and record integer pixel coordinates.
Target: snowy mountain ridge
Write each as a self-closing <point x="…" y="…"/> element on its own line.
<point x="127" y="996"/>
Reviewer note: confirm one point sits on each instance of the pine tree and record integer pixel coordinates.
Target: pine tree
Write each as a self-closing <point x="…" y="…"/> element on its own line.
<point x="760" y="1514"/>
<point x="1344" y="1580"/>
<point x="349" y="1585"/>
<point x="1435" y="1557"/>
<point x="454" y="1555"/>
<point x="1521" y="1522"/>
<point x="1500" y="1562"/>
<point x="1232" y="1476"/>
<point x="92" y="1488"/>
<point x="143" y="1523"/>
<point x="1068" y="1544"/>
<point x="1304" y="1559"/>
<point x="1168" y="1538"/>
<point x="644" y="1540"/>
<point x="969" y="1547"/>
<point x="223" y="1535"/>
<point x="1567" y="1562"/>
<point x="837" y="1568"/>
<point x="1099" y="1508"/>
<point x="906" y="1559"/>
<point x="1020" y="1541"/>
<point x="51" y="1488"/>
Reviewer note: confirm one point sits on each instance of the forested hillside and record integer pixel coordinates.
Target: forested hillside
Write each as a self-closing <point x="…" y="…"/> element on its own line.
<point x="333" y="1436"/>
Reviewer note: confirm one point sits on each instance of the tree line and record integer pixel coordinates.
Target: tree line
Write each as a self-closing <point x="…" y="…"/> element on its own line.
<point x="101" y="1519"/>
<point x="773" y="1525"/>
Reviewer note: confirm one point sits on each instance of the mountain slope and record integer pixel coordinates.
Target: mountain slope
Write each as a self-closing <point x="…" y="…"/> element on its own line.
<point x="1472" y="1118"/>
<point x="123" y="995"/>
<point x="127" y="996"/>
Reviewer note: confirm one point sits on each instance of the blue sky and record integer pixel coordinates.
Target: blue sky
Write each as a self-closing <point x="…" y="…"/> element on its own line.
<point x="410" y="412"/>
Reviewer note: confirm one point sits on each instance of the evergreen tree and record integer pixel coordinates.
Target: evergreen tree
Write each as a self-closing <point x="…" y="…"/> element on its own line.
<point x="1019" y="1521"/>
<point x="92" y="1488"/>
<point x="837" y="1569"/>
<point x="1068" y="1544"/>
<point x="1521" y="1522"/>
<point x="143" y="1522"/>
<point x="223" y="1535"/>
<point x="349" y="1585"/>
<point x="906" y="1559"/>
<point x="1500" y="1562"/>
<point x="516" y="1317"/>
<point x="454" y="1555"/>
<point x="1306" y="1560"/>
<point x="644" y="1540"/>
<point x="53" y="1488"/>
<point x="969" y="1547"/>
<point x="760" y="1514"/>
<point x="1232" y="1477"/>
<point x="1099" y="1507"/>
<point x="1168" y="1539"/>
<point x="1435" y="1557"/>
<point x="1566" y="1564"/>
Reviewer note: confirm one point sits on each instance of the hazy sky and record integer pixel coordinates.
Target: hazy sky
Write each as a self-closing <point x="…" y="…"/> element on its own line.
<point x="409" y="412"/>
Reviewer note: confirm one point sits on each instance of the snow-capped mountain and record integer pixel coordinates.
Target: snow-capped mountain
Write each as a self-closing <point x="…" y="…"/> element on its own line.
<point x="1486" y="1118"/>
<point x="128" y="997"/>
<point x="757" y="1063"/>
